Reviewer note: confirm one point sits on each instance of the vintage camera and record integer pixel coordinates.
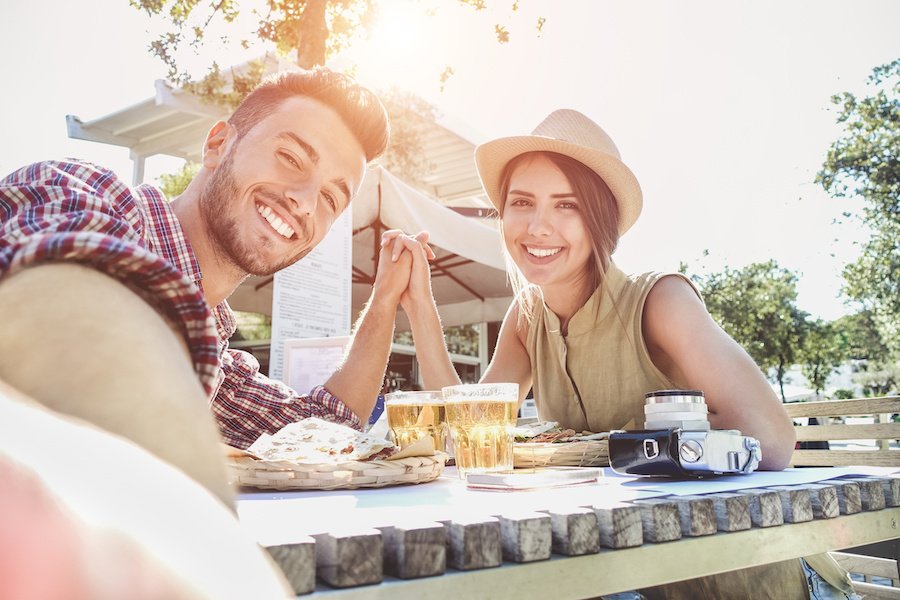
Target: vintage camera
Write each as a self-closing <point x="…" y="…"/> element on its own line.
<point x="677" y="452"/>
<point x="678" y="442"/>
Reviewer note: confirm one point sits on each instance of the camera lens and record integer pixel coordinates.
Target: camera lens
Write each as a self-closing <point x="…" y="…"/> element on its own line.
<point x="668" y="409"/>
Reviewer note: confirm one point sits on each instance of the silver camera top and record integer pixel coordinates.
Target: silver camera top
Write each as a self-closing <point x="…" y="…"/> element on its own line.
<point x="718" y="451"/>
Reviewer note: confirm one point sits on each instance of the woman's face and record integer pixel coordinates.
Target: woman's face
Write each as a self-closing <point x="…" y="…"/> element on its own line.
<point x="543" y="227"/>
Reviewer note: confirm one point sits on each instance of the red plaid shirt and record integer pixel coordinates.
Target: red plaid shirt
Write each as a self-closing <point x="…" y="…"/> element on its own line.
<point x="76" y="212"/>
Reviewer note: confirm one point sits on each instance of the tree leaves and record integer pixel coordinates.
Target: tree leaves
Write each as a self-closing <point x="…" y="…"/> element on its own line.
<point x="757" y="306"/>
<point x="865" y="162"/>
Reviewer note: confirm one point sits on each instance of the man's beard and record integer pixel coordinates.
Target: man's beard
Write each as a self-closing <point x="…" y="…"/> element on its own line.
<point x="225" y="231"/>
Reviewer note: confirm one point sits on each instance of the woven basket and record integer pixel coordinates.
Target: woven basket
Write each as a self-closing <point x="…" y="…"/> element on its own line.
<point x="284" y="475"/>
<point x="594" y="453"/>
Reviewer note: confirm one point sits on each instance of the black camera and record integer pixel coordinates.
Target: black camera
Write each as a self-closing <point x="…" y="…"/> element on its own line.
<point x="680" y="453"/>
<point x="677" y="441"/>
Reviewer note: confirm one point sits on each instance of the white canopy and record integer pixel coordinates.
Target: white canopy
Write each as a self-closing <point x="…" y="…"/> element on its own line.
<point x="468" y="274"/>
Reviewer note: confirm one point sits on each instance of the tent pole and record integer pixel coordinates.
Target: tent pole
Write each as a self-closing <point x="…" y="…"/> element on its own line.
<point x="483" y="349"/>
<point x="377" y="228"/>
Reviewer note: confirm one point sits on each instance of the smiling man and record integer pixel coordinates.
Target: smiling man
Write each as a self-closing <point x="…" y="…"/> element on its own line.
<point x="114" y="300"/>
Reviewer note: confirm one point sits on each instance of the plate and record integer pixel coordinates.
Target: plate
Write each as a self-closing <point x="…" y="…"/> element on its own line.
<point x="283" y="475"/>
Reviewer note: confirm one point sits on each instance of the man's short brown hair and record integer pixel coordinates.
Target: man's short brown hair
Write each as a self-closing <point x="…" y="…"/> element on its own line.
<point x="358" y="107"/>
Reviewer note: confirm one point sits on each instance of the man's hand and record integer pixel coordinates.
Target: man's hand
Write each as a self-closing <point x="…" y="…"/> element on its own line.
<point x="416" y="247"/>
<point x="392" y="276"/>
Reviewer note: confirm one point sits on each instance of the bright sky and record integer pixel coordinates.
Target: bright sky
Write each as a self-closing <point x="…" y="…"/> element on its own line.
<point x="721" y="108"/>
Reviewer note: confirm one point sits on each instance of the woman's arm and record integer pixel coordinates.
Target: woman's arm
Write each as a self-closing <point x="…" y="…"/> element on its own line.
<point x="510" y="363"/>
<point x="419" y="305"/>
<point x="692" y="350"/>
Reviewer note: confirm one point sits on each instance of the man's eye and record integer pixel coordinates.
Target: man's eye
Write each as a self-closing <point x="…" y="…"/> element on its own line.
<point x="288" y="158"/>
<point x="332" y="201"/>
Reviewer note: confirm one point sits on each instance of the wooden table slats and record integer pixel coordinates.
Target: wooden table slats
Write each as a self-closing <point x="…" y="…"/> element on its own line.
<point x="356" y="558"/>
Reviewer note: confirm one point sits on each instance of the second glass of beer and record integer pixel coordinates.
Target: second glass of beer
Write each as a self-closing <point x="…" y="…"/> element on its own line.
<point x="414" y="415"/>
<point x="481" y="417"/>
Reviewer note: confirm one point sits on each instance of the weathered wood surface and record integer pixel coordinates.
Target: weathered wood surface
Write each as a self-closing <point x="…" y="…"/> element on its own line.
<point x="891" y="487"/>
<point x="473" y="543"/>
<point x="297" y="560"/>
<point x="841" y="408"/>
<point x="882" y="431"/>
<point x="733" y="511"/>
<point x="795" y="503"/>
<point x="525" y="537"/>
<point x="359" y="557"/>
<point x="849" y="501"/>
<point x="350" y="558"/>
<point x="575" y="531"/>
<point x="620" y="525"/>
<point x="871" y="492"/>
<point x="697" y="515"/>
<point x="765" y="507"/>
<point x="415" y="550"/>
<point x="824" y="501"/>
<point x="660" y="519"/>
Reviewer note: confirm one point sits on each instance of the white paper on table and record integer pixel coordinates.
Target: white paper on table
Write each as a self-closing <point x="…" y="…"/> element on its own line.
<point x="757" y="479"/>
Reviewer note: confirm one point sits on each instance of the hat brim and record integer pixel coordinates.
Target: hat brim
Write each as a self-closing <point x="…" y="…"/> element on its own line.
<point x="491" y="158"/>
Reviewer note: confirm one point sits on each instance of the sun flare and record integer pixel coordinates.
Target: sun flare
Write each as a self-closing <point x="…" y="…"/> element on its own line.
<point x="396" y="46"/>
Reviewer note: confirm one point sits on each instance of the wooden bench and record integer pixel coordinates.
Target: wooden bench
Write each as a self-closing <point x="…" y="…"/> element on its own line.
<point x="882" y="435"/>
<point x="883" y="431"/>
<point x="871" y="567"/>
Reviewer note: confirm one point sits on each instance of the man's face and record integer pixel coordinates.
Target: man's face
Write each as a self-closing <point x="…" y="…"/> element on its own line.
<point x="277" y="191"/>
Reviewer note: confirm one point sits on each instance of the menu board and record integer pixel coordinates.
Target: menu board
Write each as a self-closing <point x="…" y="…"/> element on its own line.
<point x="311" y="361"/>
<point x="312" y="297"/>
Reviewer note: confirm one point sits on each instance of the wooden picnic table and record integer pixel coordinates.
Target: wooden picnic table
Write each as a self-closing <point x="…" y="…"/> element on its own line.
<point x="440" y="538"/>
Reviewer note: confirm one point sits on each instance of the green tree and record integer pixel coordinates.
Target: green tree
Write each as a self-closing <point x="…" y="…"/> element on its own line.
<point x="173" y="184"/>
<point x="757" y="306"/>
<point x="861" y="337"/>
<point x="822" y="352"/>
<point x="310" y="31"/>
<point x="880" y="380"/>
<point x="865" y="162"/>
<point x="409" y="114"/>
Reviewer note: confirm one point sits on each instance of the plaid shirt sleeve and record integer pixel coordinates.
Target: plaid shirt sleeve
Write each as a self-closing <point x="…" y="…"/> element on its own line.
<point x="75" y="212"/>
<point x="249" y="404"/>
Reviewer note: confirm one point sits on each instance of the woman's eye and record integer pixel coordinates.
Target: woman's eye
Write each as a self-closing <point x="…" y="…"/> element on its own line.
<point x="568" y="205"/>
<point x="518" y="202"/>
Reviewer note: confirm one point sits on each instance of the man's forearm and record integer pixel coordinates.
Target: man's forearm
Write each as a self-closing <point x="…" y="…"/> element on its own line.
<point x="358" y="382"/>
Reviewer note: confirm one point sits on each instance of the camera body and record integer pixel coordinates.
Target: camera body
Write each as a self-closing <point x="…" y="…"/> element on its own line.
<point x="683" y="453"/>
<point x="677" y="441"/>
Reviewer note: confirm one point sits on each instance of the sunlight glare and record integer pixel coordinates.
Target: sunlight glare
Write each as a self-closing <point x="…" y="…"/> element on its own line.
<point x="395" y="46"/>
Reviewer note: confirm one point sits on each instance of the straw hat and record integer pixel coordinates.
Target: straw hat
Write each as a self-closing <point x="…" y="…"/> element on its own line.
<point x="570" y="133"/>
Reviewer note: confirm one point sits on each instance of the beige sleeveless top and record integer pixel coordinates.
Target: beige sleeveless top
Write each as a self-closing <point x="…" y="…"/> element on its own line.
<point x="595" y="377"/>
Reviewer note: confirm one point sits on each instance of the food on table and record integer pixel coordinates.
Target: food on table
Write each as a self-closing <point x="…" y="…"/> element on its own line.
<point x="316" y="441"/>
<point x="551" y="432"/>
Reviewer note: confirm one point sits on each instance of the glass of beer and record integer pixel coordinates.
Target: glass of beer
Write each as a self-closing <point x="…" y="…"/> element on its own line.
<point x="415" y="415"/>
<point x="481" y="417"/>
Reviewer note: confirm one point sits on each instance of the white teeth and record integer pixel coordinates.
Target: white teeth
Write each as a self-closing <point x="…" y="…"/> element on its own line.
<point x="275" y="221"/>
<point x="542" y="252"/>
